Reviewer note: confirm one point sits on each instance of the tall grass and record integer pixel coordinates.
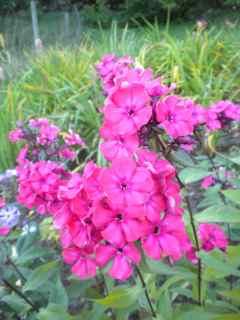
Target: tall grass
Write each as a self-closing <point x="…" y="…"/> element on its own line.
<point x="11" y="110"/>
<point x="203" y="64"/>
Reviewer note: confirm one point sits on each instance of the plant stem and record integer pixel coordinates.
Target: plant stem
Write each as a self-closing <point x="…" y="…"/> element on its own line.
<point x="106" y="293"/>
<point x="167" y="155"/>
<point x="168" y="18"/>
<point x="146" y="292"/>
<point x="20" y="294"/>
<point x="9" y="261"/>
<point x="199" y="263"/>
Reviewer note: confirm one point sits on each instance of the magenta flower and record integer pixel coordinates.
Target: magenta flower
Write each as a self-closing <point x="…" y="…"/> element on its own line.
<point x="123" y="259"/>
<point x="117" y="146"/>
<point x="83" y="265"/>
<point x="208" y="182"/>
<point x="117" y="227"/>
<point x="166" y="239"/>
<point x="73" y="139"/>
<point x="125" y="183"/>
<point x="174" y="116"/>
<point x="4" y="231"/>
<point x="16" y="135"/>
<point x="212" y="236"/>
<point x="67" y="153"/>
<point x="128" y="109"/>
<point x="47" y="132"/>
<point x="38" y="184"/>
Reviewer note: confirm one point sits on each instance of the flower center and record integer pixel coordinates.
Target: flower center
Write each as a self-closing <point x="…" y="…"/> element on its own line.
<point x="131" y="112"/>
<point x="119" y="217"/>
<point x="123" y="186"/>
<point x="170" y="117"/>
<point x="156" y="230"/>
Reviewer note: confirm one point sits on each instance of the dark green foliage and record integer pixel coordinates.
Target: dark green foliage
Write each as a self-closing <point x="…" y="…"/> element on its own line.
<point x="104" y="11"/>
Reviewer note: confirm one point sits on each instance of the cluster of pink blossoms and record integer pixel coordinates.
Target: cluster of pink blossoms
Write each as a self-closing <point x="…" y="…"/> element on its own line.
<point x="108" y="216"/>
<point x="40" y="169"/>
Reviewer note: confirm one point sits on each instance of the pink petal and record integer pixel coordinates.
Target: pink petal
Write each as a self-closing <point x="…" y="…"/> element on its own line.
<point x="84" y="268"/>
<point x="113" y="234"/>
<point x="132" y="229"/>
<point x="132" y="252"/>
<point x="152" y="248"/>
<point x="121" y="268"/>
<point x="104" y="253"/>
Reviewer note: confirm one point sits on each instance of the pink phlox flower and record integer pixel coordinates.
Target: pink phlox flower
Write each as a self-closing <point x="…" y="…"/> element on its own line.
<point x="128" y="109"/>
<point x="123" y="259"/>
<point x="80" y="233"/>
<point x="208" y="182"/>
<point x="166" y="239"/>
<point x="67" y="153"/>
<point x="74" y="139"/>
<point x="117" y="146"/>
<point x="4" y="231"/>
<point x="117" y="227"/>
<point x="47" y="132"/>
<point x="16" y="135"/>
<point x="172" y="114"/>
<point x="125" y="183"/>
<point x="38" y="184"/>
<point x="83" y="263"/>
<point x="212" y="236"/>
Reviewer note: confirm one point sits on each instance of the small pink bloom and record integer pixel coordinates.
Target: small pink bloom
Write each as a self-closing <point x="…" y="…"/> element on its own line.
<point x="4" y="231"/>
<point x="123" y="259"/>
<point x="212" y="236"/>
<point x="174" y="116"/>
<point x="67" y="153"/>
<point x="128" y="109"/>
<point x="125" y="183"/>
<point x="117" y="146"/>
<point x="15" y="135"/>
<point x="73" y="139"/>
<point x="82" y="266"/>
<point x="207" y="182"/>
<point x="166" y="239"/>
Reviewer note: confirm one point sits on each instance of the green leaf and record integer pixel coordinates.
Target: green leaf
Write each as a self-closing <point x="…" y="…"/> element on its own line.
<point x="230" y="316"/>
<point x="218" y="213"/>
<point x="40" y="276"/>
<point x="219" y="265"/>
<point x="233" y="195"/>
<point x="194" y="313"/>
<point x="55" y="312"/>
<point x="167" y="284"/>
<point x="162" y="268"/>
<point x="58" y="294"/>
<point x="16" y="303"/>
<point x="31" y="254"/>
<point x="233" y="295"/>
<point x="189" y="175"/>
<point x="120" y="298"/>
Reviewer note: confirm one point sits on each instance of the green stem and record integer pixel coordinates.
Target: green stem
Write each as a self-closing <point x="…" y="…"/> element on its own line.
<point x="154" y="315"/>
<point x="167" y="155"/>
<point x="168" y="18"/>
<point x="19" y="293"/>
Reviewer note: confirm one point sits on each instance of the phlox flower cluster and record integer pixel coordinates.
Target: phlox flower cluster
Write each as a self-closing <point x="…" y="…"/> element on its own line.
<point x="108" y="217"/>
<point x="45" y="141"/>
